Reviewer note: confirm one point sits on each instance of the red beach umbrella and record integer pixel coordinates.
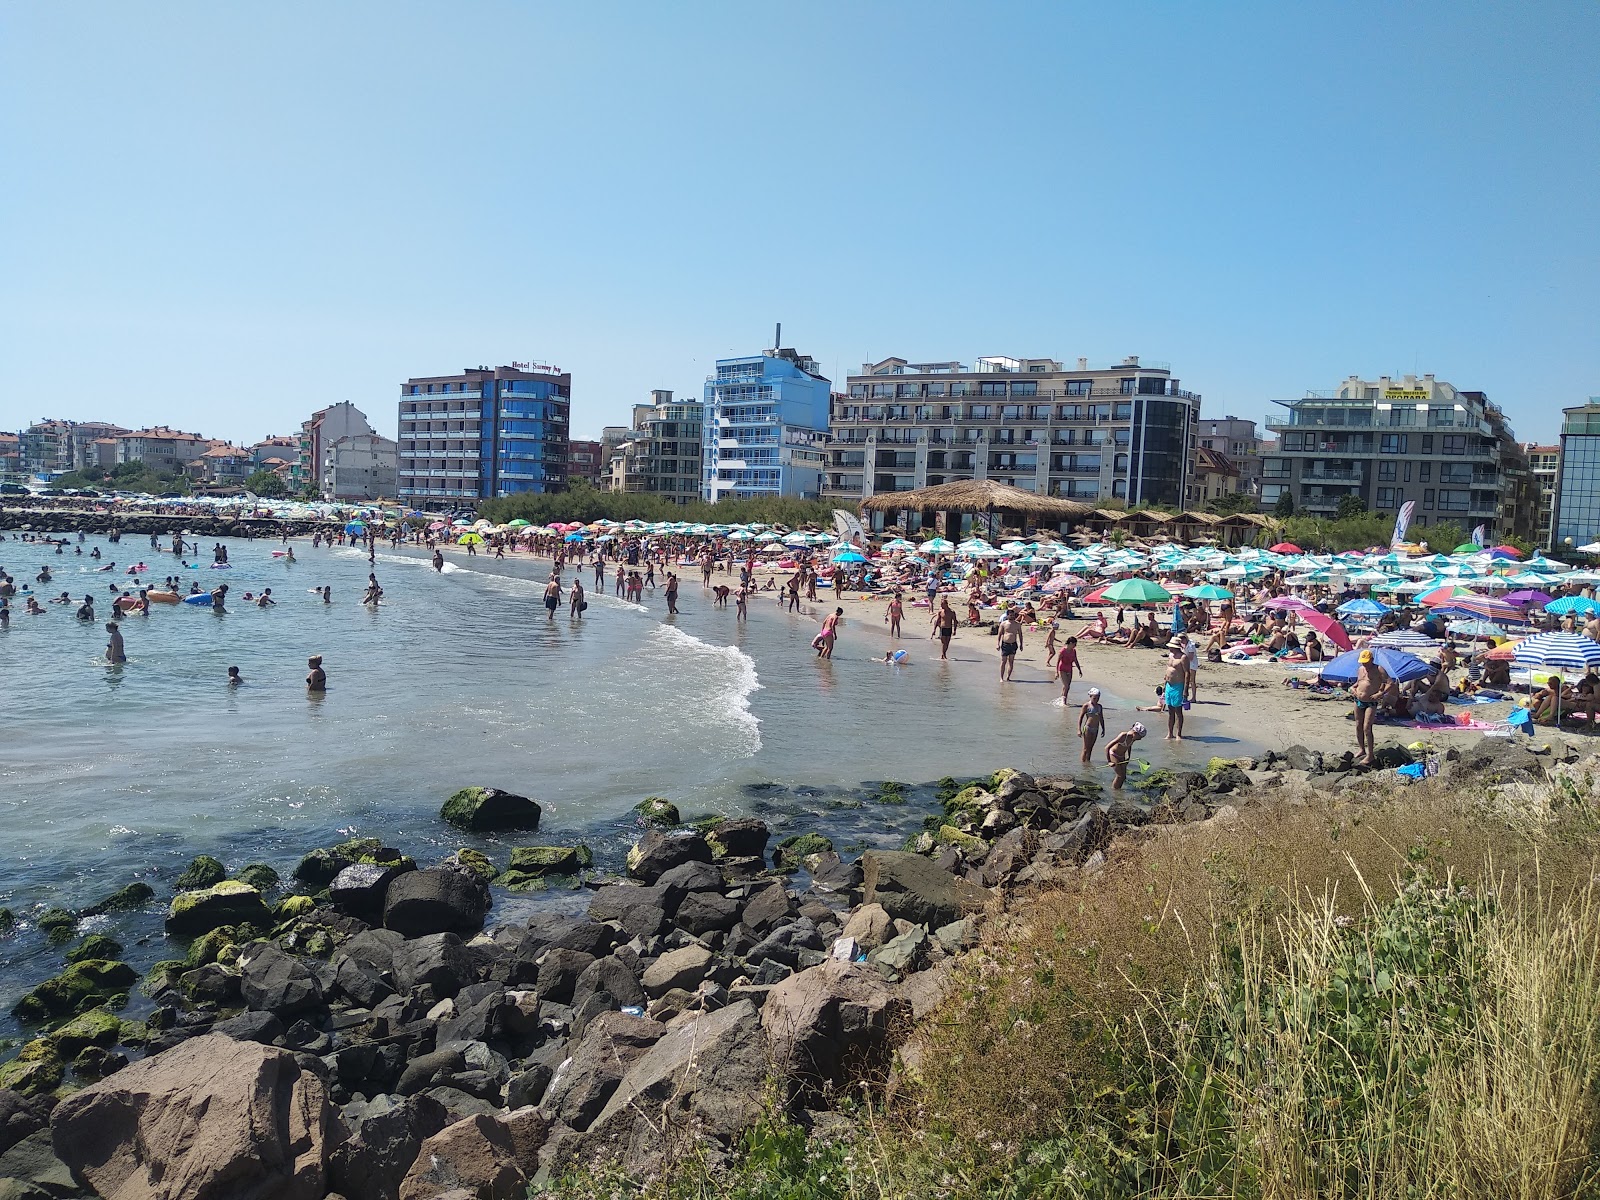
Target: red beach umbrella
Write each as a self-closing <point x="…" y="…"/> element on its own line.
<point x="1328" y="628"/>
<point x="1286" y="548"/>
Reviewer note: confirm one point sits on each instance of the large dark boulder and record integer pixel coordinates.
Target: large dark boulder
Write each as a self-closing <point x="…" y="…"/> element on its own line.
<point x="706" y="912"/>
<point x="361" y="888"/>
<point x="387" y="1134"/>
<point x="744" y="837"/>
<point x="912" y="887"/>
<point x="438" y="962"/>
<point x="227" y="903"/>
<point x="598" y="1061"/>
<point x="487" y="808"/>
<point x="436" y="900"/>
<point x="614" y="902"/>
<point x="660" y="850"/>
<point x="829" y="1021"/>
<point x="19" y="1116"/>
<point x="274" y="982"/>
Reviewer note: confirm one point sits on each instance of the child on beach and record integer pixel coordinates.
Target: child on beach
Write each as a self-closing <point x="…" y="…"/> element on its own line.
<point x="1119" y="750"/>
<point x="893" y="615"/>
<point x="1066" y="665"/>
<point x="1091" y="723"/>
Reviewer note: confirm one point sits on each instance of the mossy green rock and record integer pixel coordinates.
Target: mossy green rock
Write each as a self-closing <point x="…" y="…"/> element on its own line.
<point x="96" y="945"/>
<point x="890" y="792"/>
<point x="259" y="876"/>
<point x="36" y="1071"/>
<point x="135" y="895"/>
<point x="203" y="871"/>
<point x="58" y="925"/>
<point x="205" y="948"/>
<point x="291" y="907"/>
<point x="473" y="862"/>
<point x="319" y="867"/>
<point x="8" y="920"/>
<point x="77" y="989"/>
<point x="484" y="808"/>
<point x="792" y="852"/>
<point x="228" y="903"/>
<point x="657" y="810"/>
<point x="163" y="976"/>
<point x="965" y="842"/>
<point x="532" y="866"/>
<point x="97" y="1027"/>
<point x="969" y="800"/>
<point x="358" y="849"/>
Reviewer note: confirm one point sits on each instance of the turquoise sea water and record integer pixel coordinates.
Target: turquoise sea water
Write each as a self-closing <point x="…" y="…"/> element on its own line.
<point x="114" y="773"/>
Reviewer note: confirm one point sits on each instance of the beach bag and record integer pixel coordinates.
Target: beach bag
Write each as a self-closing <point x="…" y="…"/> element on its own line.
<point x="583" y="606"/>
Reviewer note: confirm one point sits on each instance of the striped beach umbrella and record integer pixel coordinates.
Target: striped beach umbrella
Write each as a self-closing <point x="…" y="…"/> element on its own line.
<point x="1568" y="651"/>
<point x="1571" y="604"/>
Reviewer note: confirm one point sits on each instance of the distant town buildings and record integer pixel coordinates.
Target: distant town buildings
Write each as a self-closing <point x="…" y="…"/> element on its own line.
<point x="1235" y="439"/>
<point x="317" y="433"/>
<point x="585" y="464"/>
<point x="1388" y="441"/>
<point x="662" y="455"/>
<point x="765" y="427"/>
<point x="1123" y="432"/>
<point x="160" y="448"/>
<point x="1215" y="476"/>
<point x="1577" y="498"/>
<point x="1544" y="465"/>
<point x="359" y="467"/>
<point x="489" y="431"/>
<point x="10" y="456"/>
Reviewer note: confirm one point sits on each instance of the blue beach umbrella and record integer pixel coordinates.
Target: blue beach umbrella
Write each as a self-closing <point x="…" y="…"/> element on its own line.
<point x="1570" y="651"/>
<point x="849" y="556"/>
<point x="574" y="536"/>
<point x="1396" y="663"/>
<point x="1362" y="608"/>
<point x="1572" y="604"/>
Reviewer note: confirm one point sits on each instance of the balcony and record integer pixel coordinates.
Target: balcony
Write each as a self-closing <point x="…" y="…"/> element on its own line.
<point x="1328" y="476"/>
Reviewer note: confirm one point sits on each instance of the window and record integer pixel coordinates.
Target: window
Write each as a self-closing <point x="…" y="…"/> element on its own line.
<point x="1385" y="497"/>
<point x="978" y="412"/>
<point x="1425" y="472"/>
<point x="858" y="390"/>
<point x="936" y="389"/>
<point x="908" y="389"/>
<point x="1403" y="414"/>
<point x="1079" y="387"/>
<point x="1427" y="497"/>
<point x="1126" y="386"/>
<point x="1025" y="389"/>
<point x="1427" y="445"/>
<point x="1455" y="473"/>
<point x="1386" y="470"/>
<point x="1408" y="472"/>
<point x="1454" y="500"/>
<point x="1070" y="412"/>
<point x="1392" y="443"/>
<point x="991" y="389"/>
<point x="1122" y="412"/>
<point x="1454" y="443"/>
<point x="881" y="391"/>
<point x="958" y="389"/>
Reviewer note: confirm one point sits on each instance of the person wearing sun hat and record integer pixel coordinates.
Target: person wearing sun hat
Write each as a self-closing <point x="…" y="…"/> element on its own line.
<point x="1371" y="682"/>
<point x="1118" y="751"/>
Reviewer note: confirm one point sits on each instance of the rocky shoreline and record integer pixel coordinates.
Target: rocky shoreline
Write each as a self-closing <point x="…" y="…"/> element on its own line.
<point x="364" y="1031"/>
<point x="77" y="520"/>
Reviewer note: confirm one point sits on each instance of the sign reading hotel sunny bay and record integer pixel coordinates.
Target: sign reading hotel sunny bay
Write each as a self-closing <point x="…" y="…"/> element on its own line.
<point x="1405" y="393"/>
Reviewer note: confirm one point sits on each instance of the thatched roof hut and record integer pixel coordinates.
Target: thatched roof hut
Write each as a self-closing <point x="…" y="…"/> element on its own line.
<point x="977" y="496"/>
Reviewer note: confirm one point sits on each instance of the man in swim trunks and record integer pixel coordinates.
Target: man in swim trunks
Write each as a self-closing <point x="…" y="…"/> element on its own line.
<point x="1119" y="750"/>
<point x="944" y="622"/>
<point x="672" y="593"/>
<point x="578" y="602"/>
<point x="552" y="598"/>
<point x="1172" y="684"/>
<point x="1009" y="637"/>
<point x="1371" y="682"/>
<point x="114" y="651"/>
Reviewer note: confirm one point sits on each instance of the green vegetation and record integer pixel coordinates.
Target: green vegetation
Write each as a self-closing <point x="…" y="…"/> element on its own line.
<point x="1391" y="997"/>
<point x="266" y="483"/>
<point x="1358" y="530"/>
<point x="1234" y="502"/>
<point x="124" y="477"/>
<point x="584" y="503"/>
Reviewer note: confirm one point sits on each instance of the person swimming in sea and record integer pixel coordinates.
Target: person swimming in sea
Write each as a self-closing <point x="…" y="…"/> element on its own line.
<point x="234" y="678"/>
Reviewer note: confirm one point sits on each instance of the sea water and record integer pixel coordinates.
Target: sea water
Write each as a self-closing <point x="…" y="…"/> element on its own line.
<point x="459" y="677"/>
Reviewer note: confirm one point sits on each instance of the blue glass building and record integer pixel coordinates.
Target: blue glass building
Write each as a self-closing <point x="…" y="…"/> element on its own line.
<point x="484" y="433"/>
<point x="1577" y="498"/>
<point x="766" y="422"/>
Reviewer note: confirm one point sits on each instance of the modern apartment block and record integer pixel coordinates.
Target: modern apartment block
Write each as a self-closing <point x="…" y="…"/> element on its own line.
<point x="1236" y="440"/>
<point x="662" y="455"/>
<point x="765" y="427"/>
<point x="1577" y="499"/>
<point x="1387" y="441"/>
<point x="362" y="466"/>
<point x="1544" y="467"/>
<point x="585" y="463"/>
<point x="487" y="432"/>
<point x="1125" y="432"/>
<point x="47" y="447"/>
<point x="10" y="456"/>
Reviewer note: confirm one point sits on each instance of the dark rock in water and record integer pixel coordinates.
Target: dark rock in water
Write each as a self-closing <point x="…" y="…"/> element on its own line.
<point x="203" y="871"/>
<point x="706" y="912"/>
<point x="259" y="876"/>
<point x="692" y="877"/>
<point x="272" y="981"/>
<point x="598" y="1061"/>
<point x="212" y="984"/>
<point x="659" y="851"/>
<point x="96" y="1062"/>
<point x="911" y="887"/>
<point x="35" y="1072"/>
<point x="135" y="895"/>
<point x="473" y="862"/>
<point x="436" y="900"/>
<point x="96" y="945"/>
<point x="226" y="903"/>
<point x="57" y="925"/>
<point x="19" y="1116"/>
<point x="744" y="837"/>
<point x="793" y="853"/>
<point x="360" y="889"/>
<point x="387" y="1135"/>
<point x="319" y="868"/>
<point x="830" y="874"/>
<point x="531" y="866"/>
<point x="438" y="962"/>
<point x="82" y="986"/>
<point x="97" y="1027"/>
<point x="830" y="1018"/>
<point x="655" y="810"/>
<point x="487" y="808"/>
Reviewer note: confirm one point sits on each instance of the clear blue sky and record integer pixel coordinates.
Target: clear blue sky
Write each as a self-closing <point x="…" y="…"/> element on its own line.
<point x="222" y="216"/>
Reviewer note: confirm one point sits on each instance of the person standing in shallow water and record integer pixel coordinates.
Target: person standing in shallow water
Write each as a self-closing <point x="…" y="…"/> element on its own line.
<point x="316" y="678"/>
<point x="115" y="654"/>
<point x="552" y="597"/>
<point x="672" y="593"/>
<point x="578" y="602"/>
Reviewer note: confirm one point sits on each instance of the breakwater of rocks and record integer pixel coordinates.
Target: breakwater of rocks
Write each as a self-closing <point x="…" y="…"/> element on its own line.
<point x="143" y="524"/>
<point x="364" y="1030"/>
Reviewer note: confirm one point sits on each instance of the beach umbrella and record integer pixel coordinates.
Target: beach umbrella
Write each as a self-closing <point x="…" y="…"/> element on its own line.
<point x="1405" y="639"/>
<point x="1208" y="591"/>
<point x="470" y="539"/>
<point x="1286" y="548"/>
<point x="1476" y="629"/>
<point x="1443" y="595"/>
<point x="1328" y="628"/>
<point x="575" y="536"/>
<point x="462" y="523"/>
<point x="1506" y="552"/>
<point x="849" y="556"/>
<point x="938" y="545"/>
<point x="438" y="525"/>
<point x="1482" y="606"/>
<point x="1570" y="604"/>
<point x="1397" y="664"/>
<point x="1136" y="591"/>
<point x="1294" y="602"/>
<point x="1527" y="598"/>
<point x="356" y="527"/>
<point x="899" y="544"/>
<point x="1467" y="548"/>
<point x="1571" y="651"/>
<point x="1362" y="608"/>
<point x="519" y="523"/>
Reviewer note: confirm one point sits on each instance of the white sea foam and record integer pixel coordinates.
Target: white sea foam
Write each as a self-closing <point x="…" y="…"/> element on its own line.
<point x="731" y="700"/>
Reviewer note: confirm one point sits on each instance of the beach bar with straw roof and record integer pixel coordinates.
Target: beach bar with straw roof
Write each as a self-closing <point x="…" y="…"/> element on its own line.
<point x="993" y="506"/>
